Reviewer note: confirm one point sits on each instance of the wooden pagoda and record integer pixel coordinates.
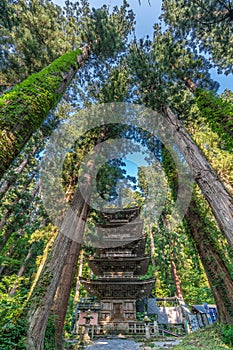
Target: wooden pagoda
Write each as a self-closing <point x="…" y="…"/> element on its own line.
<point x="118" y="264"/>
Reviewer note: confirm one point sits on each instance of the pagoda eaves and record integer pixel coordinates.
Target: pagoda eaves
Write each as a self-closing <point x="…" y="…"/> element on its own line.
<point x="137" y="265"/>
<point x="119" y="288"/>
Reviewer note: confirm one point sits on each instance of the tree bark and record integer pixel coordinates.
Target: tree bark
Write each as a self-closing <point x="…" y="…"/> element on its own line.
<point x="62" y="295"/>
<point x="152" y="245"/>
<point x="26" y="116"/>
<point x="218" y="275"/>
<point x="42" y="296"/>
<point x="80" y="271"/>
<point x="174" y="272"/>
<point x="41" y="299"/>
<point x="212" y="188"/>
<point x="68" y="273"/>
<point x="176" y="278"/>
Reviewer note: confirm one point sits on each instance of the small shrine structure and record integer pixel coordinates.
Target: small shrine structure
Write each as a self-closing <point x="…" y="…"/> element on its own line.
<point x="118" y="264"/>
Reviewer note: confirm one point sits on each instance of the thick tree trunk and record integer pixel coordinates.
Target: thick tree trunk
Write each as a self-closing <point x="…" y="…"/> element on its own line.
<point x="65" y="284"/>
<point x="78" y="283"/>
<point x="23" y="116"/>
<point x="218" y="275"/>
<point x="68" y="273"/>
<point x="41" y="299"/>
<point x="42" y="296"/>
<point x="212" y="188"/>
<point x="63" y="293"/>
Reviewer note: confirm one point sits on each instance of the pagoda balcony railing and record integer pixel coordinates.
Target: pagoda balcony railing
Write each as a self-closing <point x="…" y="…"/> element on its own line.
<point x="118" y="255"/>
<point x="88" y="304"/>
<point x="129" y="328"/>
<point x="112" y="275"/>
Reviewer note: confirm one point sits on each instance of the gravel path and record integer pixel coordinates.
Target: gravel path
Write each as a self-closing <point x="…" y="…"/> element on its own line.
<point x="114" y="344"/>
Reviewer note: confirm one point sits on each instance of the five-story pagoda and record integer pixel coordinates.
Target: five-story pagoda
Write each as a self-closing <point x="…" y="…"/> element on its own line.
<point x="118" y="264"/>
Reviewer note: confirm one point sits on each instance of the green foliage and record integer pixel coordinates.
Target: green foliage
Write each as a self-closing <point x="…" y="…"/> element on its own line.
<point x="50" y="334"/>
<point x="116" y="86"/>
<point x="205" y="339"/>
<point x="150" y="272"/>
<point x="218" y="114"/>
<point x="226" y="331"/>
<point x="206" y="24"/>
<point x="140" y="316"/>
<point x="213" y="137"/>
<point x="12" y="327"/>
<point x="166" y="71"/>
<point x="35" y="34"/>
<point x="108" y="33"/>
<point x="12" y="335"/>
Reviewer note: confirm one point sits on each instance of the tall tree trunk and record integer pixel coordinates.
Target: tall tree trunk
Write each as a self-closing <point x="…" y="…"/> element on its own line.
<point x="80" y="271"/>
<point x="65" y="284"/>
<point x="174" y="271"/>
<point x="176" y="278"/>
<point x="62" y="295"/>
<point x="152" y="245"/>
<point x="68" y="273"/>
<point x="41" y="299"/>
<point x="24" y="117"/>
<point x="212" y="188"/>
<point x="218" y="275"/>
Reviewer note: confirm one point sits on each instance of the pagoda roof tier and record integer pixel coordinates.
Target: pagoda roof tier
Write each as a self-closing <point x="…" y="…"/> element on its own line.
<point x="118" y="223"/>
<point x="136" y="248"/>
<point x="118" y="288"/>
<point x="115" y="236"/>
<point x="118" y="216"/>
<point x="137" y="265"/>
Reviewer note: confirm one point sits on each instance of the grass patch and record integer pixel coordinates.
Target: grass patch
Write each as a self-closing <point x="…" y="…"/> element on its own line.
<point x="210" y="338"/>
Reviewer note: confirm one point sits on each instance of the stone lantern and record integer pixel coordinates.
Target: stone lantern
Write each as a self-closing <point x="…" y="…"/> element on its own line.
<point x="87" y="318"/>
<point x="146" y="321"/>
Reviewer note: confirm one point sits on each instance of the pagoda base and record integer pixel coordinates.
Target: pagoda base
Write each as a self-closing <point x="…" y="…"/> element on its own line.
<point x="118" y="311"/>
<point x="115" y="327"/>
